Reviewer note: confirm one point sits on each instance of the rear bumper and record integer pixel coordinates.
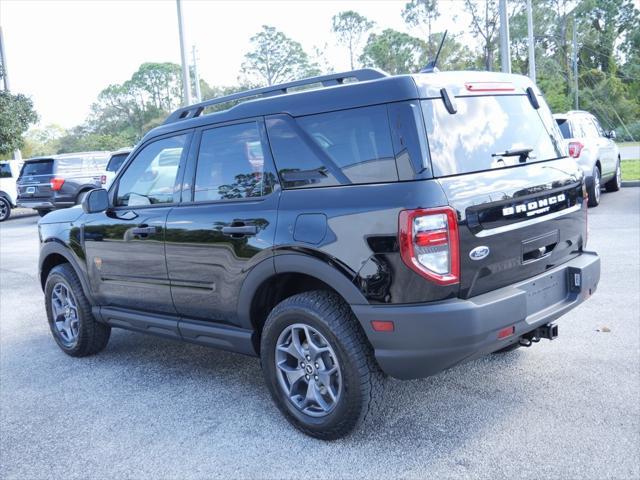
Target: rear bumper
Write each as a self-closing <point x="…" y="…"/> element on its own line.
<point x="44" y="204"/>
<point x="429" y="338"/>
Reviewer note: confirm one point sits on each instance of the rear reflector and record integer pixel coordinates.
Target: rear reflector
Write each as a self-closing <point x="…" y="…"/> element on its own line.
<point x="506" y="332"/>
<point x="56" y="183"/>
<point x="382" y="325"/>
<point x="489" y="87"/>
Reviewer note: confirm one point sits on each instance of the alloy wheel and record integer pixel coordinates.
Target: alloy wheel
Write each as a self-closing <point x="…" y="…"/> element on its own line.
<point x="4" y="209"/>
<point x="618" y="176"/>
<point x="65" y="314"/>
<point x="596" y="185"/>
<point x="308" y="370"/>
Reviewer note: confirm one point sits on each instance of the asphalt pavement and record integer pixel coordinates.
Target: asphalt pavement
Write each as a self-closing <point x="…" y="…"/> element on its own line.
<point x="629" y="152"/>
<point x="152" y="408"/>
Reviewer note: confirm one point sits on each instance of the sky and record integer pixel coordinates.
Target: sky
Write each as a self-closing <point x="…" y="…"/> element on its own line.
<point x="62" y="53"/>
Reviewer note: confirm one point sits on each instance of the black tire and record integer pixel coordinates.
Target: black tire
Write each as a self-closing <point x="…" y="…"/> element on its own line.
<point x="594" y="189"/>
<point x="362" y="380"/>
<point x="615" y="183"/>
<point x="42" y="213"/>
<point x="92" y="336"/>
<point x="5" y="209"/>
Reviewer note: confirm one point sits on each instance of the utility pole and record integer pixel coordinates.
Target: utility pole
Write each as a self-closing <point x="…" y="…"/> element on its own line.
<point x="532" y="51"/>
<point x="186" y="83"/>
<point x="196" y="75"/>
<point x="17" y="154"/>
<point x="3" y="62"/>
<point x="575" y="63"/>
<point x="505" y="56"/>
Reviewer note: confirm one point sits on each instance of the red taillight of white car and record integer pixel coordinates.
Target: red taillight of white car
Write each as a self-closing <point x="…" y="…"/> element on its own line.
<point x="56" y="183"/>
<point x="575" y="148"/>
<point x="103" y="179"/>
<point x="429" y="243"/>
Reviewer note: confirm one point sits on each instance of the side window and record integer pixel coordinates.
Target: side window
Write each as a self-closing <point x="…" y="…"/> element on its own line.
<point x="5" y="170"/>
<point x="588" y="128"/>
<point x="598" y="127"/>
<point x="358" y="141"/>
<point x="297" y="162"/>
<point x="231" y="164"/>
<point x="151" y="177"/>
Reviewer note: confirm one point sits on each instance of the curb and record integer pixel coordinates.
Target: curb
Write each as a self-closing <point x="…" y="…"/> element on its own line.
<point x="631" y="183"/>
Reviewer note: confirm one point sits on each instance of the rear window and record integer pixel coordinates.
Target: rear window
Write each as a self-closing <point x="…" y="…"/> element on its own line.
<point x="116" y="162"/>
<point x="472" y="139"/>
<point x="563" y="125"/>
<point x="5" y="170"/>
<point x="39" y="167"/>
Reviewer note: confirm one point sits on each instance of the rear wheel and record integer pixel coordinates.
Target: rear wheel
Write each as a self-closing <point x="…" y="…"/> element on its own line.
<point x="615" y="183"/>
<point x="318" y="365"/>
<point x="595" y="189"/>
<point x="5" y="209"/>
<point x="71" y="322"/>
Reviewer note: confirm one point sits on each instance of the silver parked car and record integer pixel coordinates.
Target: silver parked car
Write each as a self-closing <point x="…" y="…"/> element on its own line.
<point x="594" y="150"/>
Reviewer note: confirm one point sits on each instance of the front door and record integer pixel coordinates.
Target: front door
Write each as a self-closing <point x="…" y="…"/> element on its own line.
<point x="225" y="225"/>
<point x="125" y="245"/>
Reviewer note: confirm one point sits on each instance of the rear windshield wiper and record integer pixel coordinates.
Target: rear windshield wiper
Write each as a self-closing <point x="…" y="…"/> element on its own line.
<point x="522" y="153"/>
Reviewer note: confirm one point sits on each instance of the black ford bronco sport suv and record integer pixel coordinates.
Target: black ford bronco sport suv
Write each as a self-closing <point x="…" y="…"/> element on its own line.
<point x="371" y="225"/>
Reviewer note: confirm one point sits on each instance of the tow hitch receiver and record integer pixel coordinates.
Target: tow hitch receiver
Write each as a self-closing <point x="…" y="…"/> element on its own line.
<point x="548" y="331"/>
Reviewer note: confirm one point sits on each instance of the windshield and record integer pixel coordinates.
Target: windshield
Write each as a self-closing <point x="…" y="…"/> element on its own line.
<point x="485" y="132"/>
<point x="40" y="167"/>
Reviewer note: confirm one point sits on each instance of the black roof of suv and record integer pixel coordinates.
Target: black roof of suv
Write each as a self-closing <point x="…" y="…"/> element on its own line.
<point x="387" y="225"/>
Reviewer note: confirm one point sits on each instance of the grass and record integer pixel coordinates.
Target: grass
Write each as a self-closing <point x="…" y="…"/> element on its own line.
<point x="630" y="169"/>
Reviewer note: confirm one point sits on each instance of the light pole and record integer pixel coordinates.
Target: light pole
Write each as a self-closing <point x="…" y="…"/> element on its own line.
<point x="532" y="53"/>
<point x="505" y="57"/>
<point x="196" y="75"/>
<point x="186" y="83"/>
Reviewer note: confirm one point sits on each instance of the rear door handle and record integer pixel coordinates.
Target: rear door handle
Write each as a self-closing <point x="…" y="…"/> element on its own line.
<point x="240" y="230"/>
<point x="143" y="230"/>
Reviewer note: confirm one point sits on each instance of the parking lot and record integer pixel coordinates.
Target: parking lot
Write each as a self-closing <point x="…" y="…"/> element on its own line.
<point x="151" y="408"/>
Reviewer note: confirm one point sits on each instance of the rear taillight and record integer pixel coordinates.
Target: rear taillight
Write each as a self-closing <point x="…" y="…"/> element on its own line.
<point x="103" y="179"/>
<point x="429" y="243"/>
<point x="56" y="183"/>
<point x="575" y="148"/>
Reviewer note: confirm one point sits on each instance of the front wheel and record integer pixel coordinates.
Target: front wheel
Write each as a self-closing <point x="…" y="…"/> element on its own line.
<point x="615" y="183"/>
<point x="42" y="213"/>
<point x="319" y="366"/>
<point x="5" y="209"/>
<point x="71" y="322"/>
<point x="595" y="189"/>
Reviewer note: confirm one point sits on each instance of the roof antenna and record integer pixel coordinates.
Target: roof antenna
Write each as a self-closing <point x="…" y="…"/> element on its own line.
<point x="431" y="66"/>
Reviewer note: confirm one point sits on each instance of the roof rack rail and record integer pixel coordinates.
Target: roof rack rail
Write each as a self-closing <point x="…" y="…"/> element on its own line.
<point x="195" y="110"/>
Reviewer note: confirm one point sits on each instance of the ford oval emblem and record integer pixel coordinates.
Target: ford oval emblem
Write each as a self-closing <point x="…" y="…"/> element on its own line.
<point x="479" y="253"/>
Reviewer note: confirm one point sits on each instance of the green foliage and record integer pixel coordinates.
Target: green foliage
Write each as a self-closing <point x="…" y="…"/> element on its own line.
<point x="42" y="141"/>
<point x="394" y="52"/>
<point x="16" y="114"/>
<point x="484" y="26"/>
<point x="629" y="134"/>
<point x="350" y="27"/>
<point x="79" y="139"/>
<point x="275" y="58"/>
<point x="423" y="13"/>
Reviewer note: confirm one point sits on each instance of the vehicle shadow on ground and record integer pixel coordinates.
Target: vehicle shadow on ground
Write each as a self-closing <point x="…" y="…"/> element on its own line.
<point x="441" y="410"/>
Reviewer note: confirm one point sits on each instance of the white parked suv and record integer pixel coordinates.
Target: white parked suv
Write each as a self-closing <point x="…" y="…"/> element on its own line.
<point x="9" y="171"/>
<point x="594" y="150"/>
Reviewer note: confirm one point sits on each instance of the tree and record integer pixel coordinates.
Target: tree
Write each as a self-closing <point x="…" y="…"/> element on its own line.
<point x="16" y="114"/>
<point x="422" y="13"/>
<point x="275" y="58"/>
<point x="394" y="52"/>
<point x="350" y="27"/>
<point x="42" y="141"/>
<point x="484" y="24"/>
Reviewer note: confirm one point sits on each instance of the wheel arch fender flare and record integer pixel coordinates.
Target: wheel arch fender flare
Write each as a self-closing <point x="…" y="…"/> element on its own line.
<point x="295" y="263"/>
<point x="55" y="247"/>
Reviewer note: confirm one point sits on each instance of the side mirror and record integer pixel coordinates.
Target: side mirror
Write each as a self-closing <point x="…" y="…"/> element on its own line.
<point x="95" y="201"/>
<point x="612" y="135"/>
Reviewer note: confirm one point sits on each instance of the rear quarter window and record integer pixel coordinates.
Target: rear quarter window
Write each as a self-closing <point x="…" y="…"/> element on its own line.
<point x="484" y="126"/>
<point x="5" y="170"/>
